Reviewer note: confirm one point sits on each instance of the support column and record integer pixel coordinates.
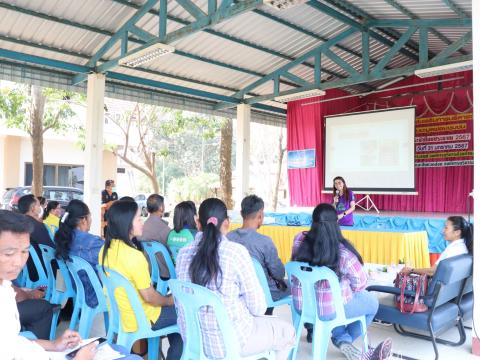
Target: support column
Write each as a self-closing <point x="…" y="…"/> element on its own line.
<point x="94" y="148"/>
<point x="476" y="179"/>
<point x="242" y="154"/>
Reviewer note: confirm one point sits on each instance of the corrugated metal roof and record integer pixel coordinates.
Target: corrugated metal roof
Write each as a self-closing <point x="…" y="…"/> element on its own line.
<point x="230" y="55"/>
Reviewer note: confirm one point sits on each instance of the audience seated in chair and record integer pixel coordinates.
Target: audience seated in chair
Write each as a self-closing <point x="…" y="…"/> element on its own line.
<point x="324" y="245"/>
<point x="261" y="247"/>
<point x="15" y="232"/>
<point x="73" y="238"/>
<point x="30" y="206"/>
<point x="51" y="217"/>
<point x="120" y="253"/>
<point x="459" y="234"/>
<point x="225" y="268"/>
<point x="184" y="227"/>
<point x="156" y="229"/>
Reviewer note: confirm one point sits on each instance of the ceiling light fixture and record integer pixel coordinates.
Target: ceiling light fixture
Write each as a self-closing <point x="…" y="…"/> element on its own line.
<point x="145" y="55"/>
<point x="445" y="69"/>
<point x="300" y="95"/>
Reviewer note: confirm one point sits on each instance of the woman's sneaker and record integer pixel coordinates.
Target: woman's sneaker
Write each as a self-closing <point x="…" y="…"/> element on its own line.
<point x="350" y="351"/>
<point x="381" y="352"/>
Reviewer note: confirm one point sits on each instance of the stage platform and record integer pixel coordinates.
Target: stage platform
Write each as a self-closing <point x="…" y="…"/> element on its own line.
<point x="376" y="246"/>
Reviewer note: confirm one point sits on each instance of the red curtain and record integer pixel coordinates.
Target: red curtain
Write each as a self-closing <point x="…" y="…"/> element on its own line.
<point x="441" y="189"/>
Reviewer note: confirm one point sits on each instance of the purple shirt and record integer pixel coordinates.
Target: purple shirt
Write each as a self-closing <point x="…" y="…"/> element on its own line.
<point x="352" y="279"/>
<point x="343" y="205"/>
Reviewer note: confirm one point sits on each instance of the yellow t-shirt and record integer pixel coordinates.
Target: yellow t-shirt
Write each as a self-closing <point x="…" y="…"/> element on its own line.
<point x="133" y="265"/>
<point x="53" y="222"/>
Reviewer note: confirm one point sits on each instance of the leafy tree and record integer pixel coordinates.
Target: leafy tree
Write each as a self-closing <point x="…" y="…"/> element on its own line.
<point x="36" y="110"/>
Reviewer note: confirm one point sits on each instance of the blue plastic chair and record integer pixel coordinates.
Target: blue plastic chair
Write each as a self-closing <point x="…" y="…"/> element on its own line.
<point x="308" y="276"/>
<point x="152" y="248"/>
<point x="113" y="281"/>
<point x="191" y="298"/>
<point x="266" y="290"/>
<point x="57" y="296"/>
<point x="28" y="334"/>
<point x="51" y="231"/>
<point x="87" y="313"/>
<point x="42" y="276"/>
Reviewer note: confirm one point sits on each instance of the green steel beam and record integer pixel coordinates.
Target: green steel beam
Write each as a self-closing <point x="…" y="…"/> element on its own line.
<point x="139" y="69"/>
<point x="403" y="71"/>
<point x="423" y="42"/>
<point x="299" y="60"/>
<point x="393" y="50"/>
<point x="162" y="20"/>
<point x="363" y="16"/>
<point x="130" y="39"/>
<point x="407" y="12"/>
<point x="295" y="79"/>
<point x="192" y="9"/>
<point x="124" y="28"/>
<point x="340" y="62"/>
<point x="206" y="21"/>
<point x="351" y="22"/>
<point x="140" y="34"/>
<point x="458" y="44"/>
<point x="455" y="8"/>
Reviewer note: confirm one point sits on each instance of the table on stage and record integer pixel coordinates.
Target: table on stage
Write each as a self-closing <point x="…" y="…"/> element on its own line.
<point x="380" y="247"/>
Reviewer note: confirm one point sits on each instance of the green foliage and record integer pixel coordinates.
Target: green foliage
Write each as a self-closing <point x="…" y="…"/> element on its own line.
<point x="15" y="105"/>
<point x="195" y="188"/>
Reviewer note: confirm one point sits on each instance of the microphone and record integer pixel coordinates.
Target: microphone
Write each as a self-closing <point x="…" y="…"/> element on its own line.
<point x="337" y="192"/>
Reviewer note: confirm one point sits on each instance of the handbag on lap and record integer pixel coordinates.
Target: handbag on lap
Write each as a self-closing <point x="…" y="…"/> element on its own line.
<point x="412" y="283"/>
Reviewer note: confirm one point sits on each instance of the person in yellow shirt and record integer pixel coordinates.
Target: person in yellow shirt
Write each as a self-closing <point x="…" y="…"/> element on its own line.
<point x="51" y="217"/>
<point x="123" y="253"/>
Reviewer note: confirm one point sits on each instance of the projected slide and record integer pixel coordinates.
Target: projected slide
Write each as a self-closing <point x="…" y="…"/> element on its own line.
<point x="372" y="150"/>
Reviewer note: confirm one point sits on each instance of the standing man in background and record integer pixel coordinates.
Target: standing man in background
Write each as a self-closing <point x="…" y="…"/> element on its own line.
<point x="108" y="197"/>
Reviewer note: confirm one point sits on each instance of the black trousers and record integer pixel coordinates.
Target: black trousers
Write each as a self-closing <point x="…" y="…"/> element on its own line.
<point x="36" y="316"/>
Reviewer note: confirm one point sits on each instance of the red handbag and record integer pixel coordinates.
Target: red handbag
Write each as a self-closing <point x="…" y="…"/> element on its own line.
<point x="413" y="283"/>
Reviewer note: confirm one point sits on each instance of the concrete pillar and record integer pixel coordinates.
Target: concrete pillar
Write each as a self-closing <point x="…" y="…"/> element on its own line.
<point x="94" y="148"/>
<point x="243" y="153"/>
<point x="476" y="179"/>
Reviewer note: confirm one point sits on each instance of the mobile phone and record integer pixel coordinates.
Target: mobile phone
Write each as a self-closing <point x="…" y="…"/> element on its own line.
<point x="73" y="353"/>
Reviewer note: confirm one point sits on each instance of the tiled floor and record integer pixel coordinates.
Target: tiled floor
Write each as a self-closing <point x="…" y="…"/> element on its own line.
<point x="402" y="345"/>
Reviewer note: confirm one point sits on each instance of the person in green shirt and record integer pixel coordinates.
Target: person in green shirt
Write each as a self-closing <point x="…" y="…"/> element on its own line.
<point x="184" y="227"/>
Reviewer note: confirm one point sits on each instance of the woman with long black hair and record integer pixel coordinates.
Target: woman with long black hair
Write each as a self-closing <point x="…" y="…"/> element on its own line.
<point x="324" y="245"/>
<point x="73" y="238"/>
<point x="226" y="268"/>
<point x="123" y="254"/>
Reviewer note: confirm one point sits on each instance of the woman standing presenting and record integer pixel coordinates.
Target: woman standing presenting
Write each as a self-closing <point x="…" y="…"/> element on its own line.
<point x="343" y="201"/>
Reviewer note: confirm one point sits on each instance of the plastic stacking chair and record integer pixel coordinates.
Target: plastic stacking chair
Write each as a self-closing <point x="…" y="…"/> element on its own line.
<point x="76" y="265"/>
<point x="42" y="276"/>
<point x="152" y="248"/>
<point x="266" y="290"/>
<point x="57" y="295"/>
<point x="308" y="276"/>
<point x="28" y="334"/>
<point x="191" y="298"/>
<point x="112" y="281"/>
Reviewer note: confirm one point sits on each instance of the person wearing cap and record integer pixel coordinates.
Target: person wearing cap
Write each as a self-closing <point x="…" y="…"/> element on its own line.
<point x="261" y="247"/>
<point x="108" y="197"/>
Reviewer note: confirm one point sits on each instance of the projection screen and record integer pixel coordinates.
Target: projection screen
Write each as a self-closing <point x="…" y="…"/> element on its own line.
<point x="373" y="151"/>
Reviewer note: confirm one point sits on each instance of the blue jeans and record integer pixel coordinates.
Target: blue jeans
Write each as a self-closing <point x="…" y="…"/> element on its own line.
<point x="362" y="303"/>
<point x="168" y="316"/>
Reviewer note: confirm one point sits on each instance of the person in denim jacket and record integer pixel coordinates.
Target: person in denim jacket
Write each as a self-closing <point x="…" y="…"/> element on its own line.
<point x="73" y="238"/>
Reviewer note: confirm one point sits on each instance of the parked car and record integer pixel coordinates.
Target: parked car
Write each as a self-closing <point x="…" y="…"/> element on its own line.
<point x="62" y="194"/>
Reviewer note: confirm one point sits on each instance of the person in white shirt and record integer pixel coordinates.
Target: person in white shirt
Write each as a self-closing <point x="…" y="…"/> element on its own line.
<point x="459" y="234"/>
<point x="14" y="251"/>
